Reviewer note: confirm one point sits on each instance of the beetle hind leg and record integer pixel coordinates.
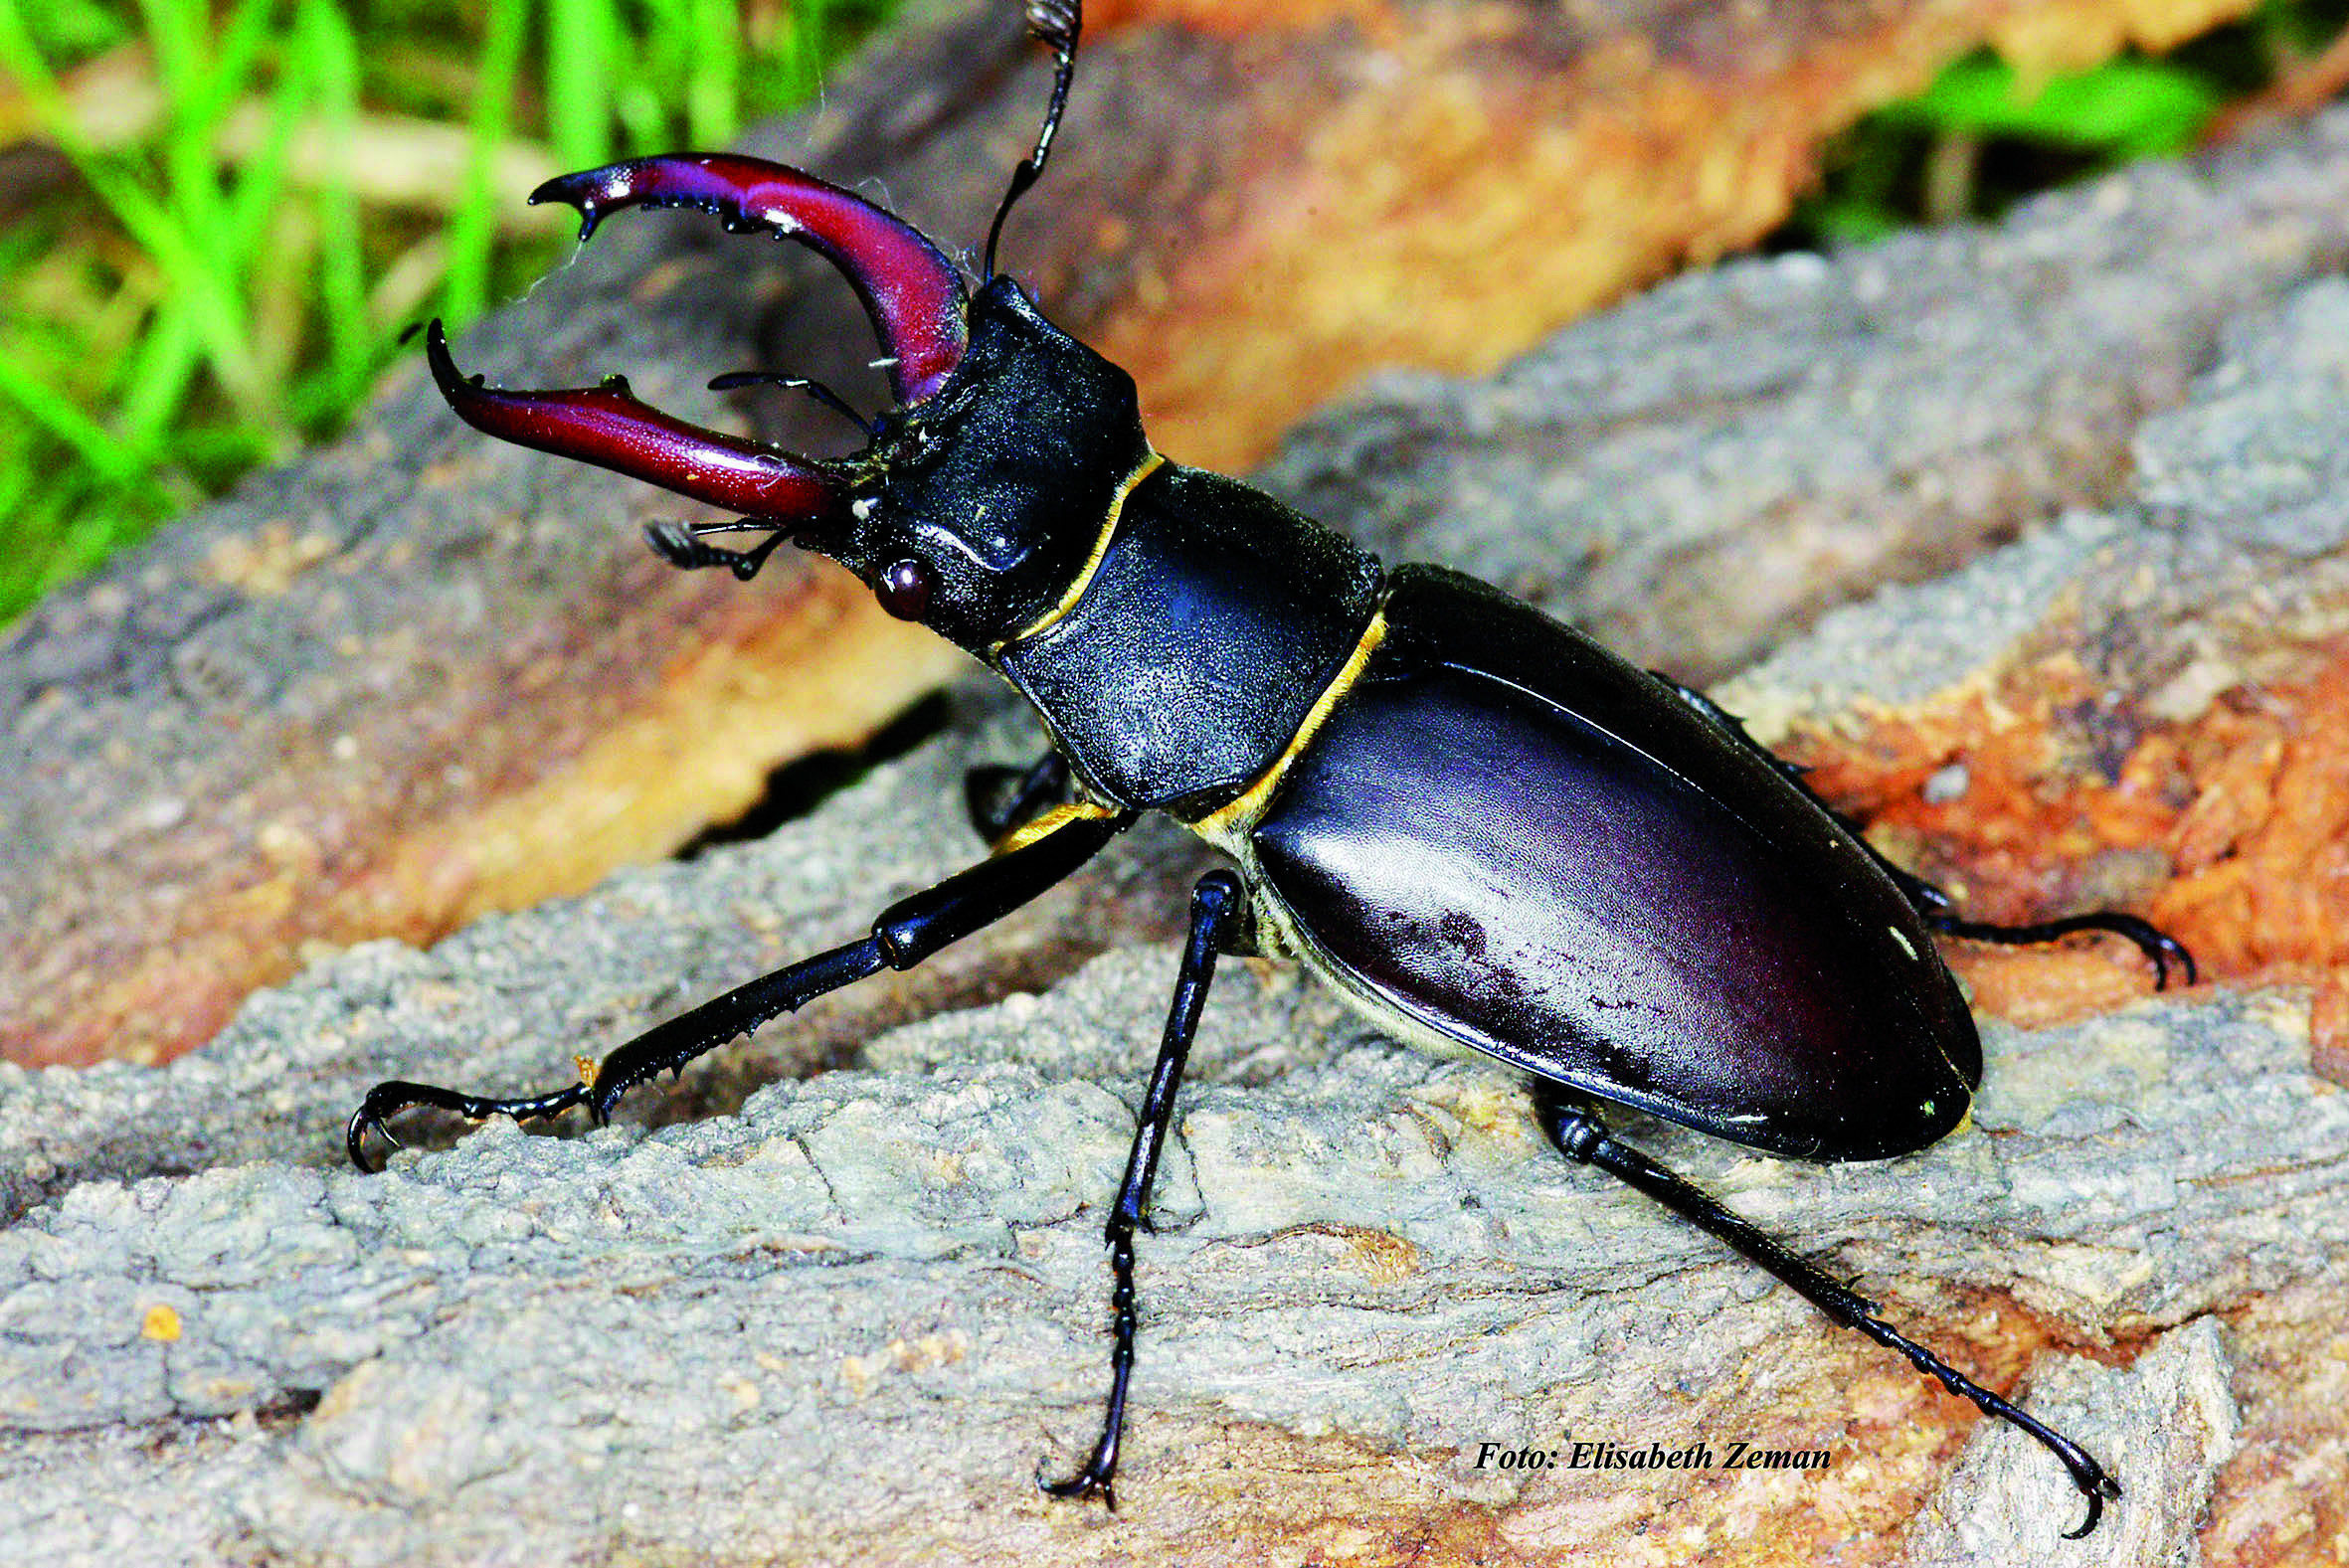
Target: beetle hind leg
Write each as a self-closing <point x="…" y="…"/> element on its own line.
<point x="1933" y="902"/>
<point x="1580" y="1135"/>
<point x="2158" y="945"/>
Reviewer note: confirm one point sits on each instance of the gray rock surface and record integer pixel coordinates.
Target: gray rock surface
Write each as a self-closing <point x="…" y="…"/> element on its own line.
<point x="2168" y="1423"/>
<point x="849" y="1322"/>
<point x="872" y="1301"/>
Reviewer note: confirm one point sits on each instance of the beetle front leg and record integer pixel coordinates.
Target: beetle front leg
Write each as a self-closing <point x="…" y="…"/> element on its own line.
<point x="906" y="933"/>
<point x="1216" y="905"/>
<point x="1580" y="1135"/>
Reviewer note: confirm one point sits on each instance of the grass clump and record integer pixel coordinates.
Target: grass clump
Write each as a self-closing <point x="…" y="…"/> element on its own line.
<point x="215" y="221"/>
<point x="1983" y="137"/>
<point x="217" y="216"/>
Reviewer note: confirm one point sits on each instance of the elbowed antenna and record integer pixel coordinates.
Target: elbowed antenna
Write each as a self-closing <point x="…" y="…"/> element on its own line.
<point x="1055" y="24"/>
<point x="607" y="427"/>
<point x="909" y="287"/>
<point x="734" y="380"/>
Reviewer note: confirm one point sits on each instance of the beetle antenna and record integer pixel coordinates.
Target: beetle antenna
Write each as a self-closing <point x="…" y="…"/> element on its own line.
<point x="681" y="546"/>
<point x="1055" y="23"/>
<point x="823" y="394"/>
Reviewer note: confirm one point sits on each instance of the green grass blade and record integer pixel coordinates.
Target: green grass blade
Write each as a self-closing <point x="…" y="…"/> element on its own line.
<point x="713" y="90"/>
<point x="102" y="449"/>
<point x="583" y="38"/>
<point x="471" y="228"/>
<point x="2130" y="107"/>
<point x="333" y="56"/>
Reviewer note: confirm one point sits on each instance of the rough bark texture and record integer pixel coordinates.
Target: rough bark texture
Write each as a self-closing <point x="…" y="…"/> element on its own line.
<point x="420" y="676"/>
<point x="848" y="1322"/>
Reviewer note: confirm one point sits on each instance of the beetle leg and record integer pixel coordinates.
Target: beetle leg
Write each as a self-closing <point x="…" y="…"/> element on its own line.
<point x="1002" y="799"/>
<point x="906" y="933"/>
<point x="2156" y="943"/>
<point x="1934" y="903"/>
<point x="1215" y="903"/>
<point x="1579" y="1134"/>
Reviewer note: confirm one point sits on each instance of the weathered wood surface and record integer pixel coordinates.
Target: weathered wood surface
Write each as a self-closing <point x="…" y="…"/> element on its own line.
<point x="846" y="1324"/>
<point x="420" y="676"/>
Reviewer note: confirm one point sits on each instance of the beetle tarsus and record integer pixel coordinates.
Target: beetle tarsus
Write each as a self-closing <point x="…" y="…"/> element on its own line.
<point x="1581" y="1135"/>
<point x="388" y="1100"/>
<point x="2090" y="1476"/>
<point x="1091" y="1481"/>
<point x="1097" y="1477"/>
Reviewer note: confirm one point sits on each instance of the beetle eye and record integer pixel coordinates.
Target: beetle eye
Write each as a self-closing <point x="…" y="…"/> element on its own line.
<point x="905" y="590"/>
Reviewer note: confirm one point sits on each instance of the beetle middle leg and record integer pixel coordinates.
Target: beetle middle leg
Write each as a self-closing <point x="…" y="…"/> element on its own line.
<point x="1580" y="1135"/>
<point x="905" y="934"/>
<point x="1218" y="905"/>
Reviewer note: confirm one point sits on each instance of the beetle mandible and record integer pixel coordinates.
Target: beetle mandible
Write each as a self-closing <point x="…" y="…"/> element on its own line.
<point x="1477" y="825"/>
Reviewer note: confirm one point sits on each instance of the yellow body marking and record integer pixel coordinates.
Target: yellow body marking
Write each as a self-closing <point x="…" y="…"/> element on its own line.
<point x="1229" y="821"/>
<point x="1051" y="822"/>
<point x="1149" y="464"/>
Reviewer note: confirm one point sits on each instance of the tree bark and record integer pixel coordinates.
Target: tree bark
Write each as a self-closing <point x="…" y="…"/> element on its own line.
<point x="850" y="1320"/>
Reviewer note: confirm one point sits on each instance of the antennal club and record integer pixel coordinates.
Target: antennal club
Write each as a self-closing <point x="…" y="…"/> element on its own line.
<point x="682" y="546"/>
<point x="1055" y="24"/>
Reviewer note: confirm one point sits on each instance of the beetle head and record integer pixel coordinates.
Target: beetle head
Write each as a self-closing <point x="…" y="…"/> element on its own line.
<point x="976" y="509"/>
<point x="980" y="495"/>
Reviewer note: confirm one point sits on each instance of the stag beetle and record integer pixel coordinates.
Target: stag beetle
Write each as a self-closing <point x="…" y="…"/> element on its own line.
<point x="1477" y="825"/>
